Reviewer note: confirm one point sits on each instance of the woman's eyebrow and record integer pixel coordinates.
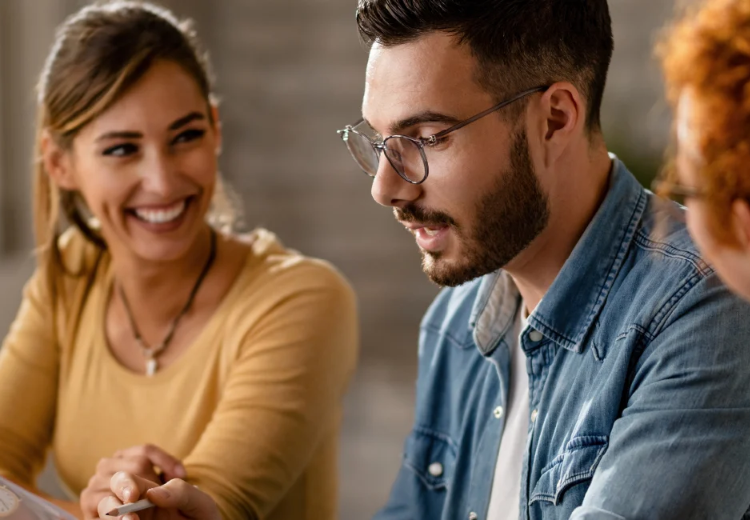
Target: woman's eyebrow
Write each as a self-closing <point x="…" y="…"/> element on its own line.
<point x="120" y="134"/>
<point x="132" y="134"/>
<point x="192" y="116"/>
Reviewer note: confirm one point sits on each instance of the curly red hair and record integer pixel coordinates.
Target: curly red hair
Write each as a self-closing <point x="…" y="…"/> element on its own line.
<point x="708" y="52"/>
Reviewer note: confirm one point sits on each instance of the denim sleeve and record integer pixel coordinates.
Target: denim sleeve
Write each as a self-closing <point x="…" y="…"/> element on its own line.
<point x="681" y="447"/>
<point x="399" y="502"/>
<point x="594" y="513"/>
<point x="404" y="499"/>
<point x="410" y="497"/>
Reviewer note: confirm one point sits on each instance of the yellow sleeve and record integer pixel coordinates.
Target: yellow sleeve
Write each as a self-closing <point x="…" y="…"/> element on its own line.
<point x="283" y="392"/>
<point x="30" y="360"/>
<point x="29" y="368"/>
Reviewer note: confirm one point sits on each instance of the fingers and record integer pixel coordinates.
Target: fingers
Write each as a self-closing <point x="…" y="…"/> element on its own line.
<point x="141" y="466"/>
<point x="99" y="484"/>
<point x="188" y="499"/>
<point x="171" y="466"/>
<point x="128" y="487"/>
<point x="140" y="462"/>
<point x="106" y="505"/>
<point x="98" y="487"/>
<point x="109" y="503"/>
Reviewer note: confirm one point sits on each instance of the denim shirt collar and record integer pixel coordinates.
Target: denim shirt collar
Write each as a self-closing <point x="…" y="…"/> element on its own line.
<point x="568" y="310"/>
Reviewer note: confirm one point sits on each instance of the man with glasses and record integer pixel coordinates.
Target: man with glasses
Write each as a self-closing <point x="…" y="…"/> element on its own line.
<point x="583" y="361"/>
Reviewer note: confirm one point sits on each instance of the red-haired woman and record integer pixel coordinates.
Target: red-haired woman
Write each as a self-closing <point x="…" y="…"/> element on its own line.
<point x="706" y="61"/>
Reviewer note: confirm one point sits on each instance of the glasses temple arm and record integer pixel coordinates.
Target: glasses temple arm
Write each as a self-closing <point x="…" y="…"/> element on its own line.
<point x="434" y="138"/>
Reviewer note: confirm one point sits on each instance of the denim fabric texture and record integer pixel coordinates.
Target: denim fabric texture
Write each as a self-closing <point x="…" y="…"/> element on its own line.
<point x="639" y="371"/>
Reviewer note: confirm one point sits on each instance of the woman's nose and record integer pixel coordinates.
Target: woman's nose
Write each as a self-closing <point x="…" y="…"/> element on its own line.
<point x="159" y="173"/>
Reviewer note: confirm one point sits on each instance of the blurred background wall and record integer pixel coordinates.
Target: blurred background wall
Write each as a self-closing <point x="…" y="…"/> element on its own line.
<point x="291" y="72"/>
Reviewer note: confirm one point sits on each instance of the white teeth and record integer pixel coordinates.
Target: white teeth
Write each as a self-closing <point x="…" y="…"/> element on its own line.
<point x="161" y="216"/>
<point x="431" y="232"/>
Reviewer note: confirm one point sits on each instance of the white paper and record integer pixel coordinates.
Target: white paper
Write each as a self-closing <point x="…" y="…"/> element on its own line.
<point x="18" y="504"/>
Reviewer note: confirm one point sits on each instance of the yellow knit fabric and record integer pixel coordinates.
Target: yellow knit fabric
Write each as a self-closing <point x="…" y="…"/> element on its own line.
<point x="253" y="406"/>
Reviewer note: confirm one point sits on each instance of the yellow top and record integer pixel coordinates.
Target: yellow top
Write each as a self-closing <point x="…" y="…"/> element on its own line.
<point x="252" y="407"/>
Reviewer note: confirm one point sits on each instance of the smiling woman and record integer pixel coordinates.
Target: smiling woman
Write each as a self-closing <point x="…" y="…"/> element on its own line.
<point x="145" y="166"/>
<point x="154" y="343"/>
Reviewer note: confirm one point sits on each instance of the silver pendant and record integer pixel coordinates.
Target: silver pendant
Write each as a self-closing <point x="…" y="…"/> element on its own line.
<point x="151" y="367"/>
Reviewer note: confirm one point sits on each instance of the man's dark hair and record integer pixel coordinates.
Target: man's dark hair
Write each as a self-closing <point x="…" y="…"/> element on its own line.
<point x="518" y="44"/>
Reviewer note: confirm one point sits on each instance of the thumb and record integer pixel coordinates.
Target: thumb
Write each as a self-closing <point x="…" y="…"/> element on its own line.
<point x="188" y="499"/>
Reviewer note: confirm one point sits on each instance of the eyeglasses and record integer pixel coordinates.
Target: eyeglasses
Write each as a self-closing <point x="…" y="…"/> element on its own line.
<point x="407" y="154"/>
<point x="676" y="192"/>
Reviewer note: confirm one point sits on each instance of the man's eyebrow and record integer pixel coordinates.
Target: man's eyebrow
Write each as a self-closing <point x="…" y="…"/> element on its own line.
<point x="420" y="118"/>
<point x="417" y="119"/>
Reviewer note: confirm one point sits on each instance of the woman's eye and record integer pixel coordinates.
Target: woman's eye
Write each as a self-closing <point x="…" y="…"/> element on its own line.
<point x="189" y="135"/>
<point x="121" y="150"/>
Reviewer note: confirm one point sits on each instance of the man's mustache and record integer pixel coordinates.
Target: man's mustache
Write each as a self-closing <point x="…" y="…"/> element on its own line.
<point x="414" y="213"/>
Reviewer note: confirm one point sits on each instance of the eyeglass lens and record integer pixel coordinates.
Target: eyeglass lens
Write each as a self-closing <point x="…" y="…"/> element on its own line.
<point x="403" y="154"/>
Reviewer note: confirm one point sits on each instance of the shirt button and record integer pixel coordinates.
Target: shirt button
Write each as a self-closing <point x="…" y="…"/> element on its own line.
<point x="498" y="412"/>
<point x="435" y="469"/>
<point x="534" y="414"/>
<point x="473" y="516"/>
<point x="536" y="336"/>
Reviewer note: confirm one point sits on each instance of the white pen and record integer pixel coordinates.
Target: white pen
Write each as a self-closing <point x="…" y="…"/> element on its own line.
<point x="131" y="508"/>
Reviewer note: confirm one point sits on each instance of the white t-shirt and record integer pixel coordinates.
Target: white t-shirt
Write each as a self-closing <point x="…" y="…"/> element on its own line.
<point x="506" y="486"/>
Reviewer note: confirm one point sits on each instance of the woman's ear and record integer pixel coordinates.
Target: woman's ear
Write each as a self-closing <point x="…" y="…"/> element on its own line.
<point x="741" y="223"/>
<point x="215" y="116"/>
<point x="57" y="163"/>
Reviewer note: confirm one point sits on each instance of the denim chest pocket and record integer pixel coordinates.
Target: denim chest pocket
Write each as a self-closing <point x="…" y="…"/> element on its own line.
<point x="431" y="456"/>
<point x="575" y="465"/>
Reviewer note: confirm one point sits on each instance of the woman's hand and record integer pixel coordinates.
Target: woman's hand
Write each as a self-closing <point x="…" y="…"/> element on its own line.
<point x="141" y="461"/>
<point x="175" y="500"/>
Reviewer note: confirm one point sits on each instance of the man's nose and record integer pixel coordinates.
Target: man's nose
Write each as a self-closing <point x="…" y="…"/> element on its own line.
<point x="389" y="189"/>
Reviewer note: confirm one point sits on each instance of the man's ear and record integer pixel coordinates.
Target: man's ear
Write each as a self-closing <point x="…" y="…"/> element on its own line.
<point x="741" y="223"/>
<point x="563" y="112"/>
<point x="57" y="163"/>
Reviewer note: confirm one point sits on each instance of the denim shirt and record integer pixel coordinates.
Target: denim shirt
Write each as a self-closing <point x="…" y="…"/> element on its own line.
<point x="639" y="383"/>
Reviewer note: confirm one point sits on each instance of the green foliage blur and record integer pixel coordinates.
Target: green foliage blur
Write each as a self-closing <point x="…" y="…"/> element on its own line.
<point x="645" y="166"/>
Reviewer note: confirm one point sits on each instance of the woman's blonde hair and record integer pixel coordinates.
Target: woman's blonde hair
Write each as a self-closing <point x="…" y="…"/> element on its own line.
<point x="708" y="53"/>
<point x="98" y="54"/>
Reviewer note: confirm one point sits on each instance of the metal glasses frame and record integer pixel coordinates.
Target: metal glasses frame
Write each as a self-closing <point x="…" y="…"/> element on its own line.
<point x="673" y="190"/>
<point x="380" y="146"/>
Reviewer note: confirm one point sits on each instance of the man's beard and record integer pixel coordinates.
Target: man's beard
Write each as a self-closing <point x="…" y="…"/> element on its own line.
<point x="507" y="219"/>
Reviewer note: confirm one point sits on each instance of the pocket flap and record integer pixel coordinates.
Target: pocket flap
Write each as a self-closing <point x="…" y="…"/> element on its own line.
<point x="576" y="464"/>
<point x="432" y="456"/>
